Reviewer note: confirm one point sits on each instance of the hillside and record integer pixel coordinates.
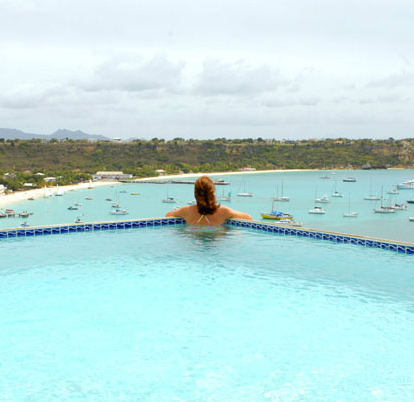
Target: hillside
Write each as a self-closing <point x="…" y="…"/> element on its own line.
<point x="141" y="158"/>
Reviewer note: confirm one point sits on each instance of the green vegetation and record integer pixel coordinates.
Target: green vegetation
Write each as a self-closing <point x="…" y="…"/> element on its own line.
<point x="72" y="161"/>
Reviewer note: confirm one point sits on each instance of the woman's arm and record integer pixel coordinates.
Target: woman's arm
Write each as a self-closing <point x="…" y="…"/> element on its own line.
<point x="232" y="213"/>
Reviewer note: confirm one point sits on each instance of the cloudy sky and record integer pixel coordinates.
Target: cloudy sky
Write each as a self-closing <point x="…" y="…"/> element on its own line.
<point x="285" y="69"/>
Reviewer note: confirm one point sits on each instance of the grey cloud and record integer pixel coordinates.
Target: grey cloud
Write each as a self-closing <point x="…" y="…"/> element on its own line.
<point x="135" y="74"/>
<point x="286" y="102"/>
<point x="237" y="79"/>
<point x="403" y="79"/>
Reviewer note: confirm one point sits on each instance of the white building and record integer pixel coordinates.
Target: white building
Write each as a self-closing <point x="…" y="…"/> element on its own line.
<point x="111" y="176"/>
<point x="2" y="189"/>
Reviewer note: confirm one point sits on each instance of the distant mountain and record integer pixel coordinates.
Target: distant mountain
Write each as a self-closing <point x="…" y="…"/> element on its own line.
<point x="61" y="134"/>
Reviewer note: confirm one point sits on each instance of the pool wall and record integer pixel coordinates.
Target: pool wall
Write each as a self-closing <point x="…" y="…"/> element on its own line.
<point x="400" y="247"/>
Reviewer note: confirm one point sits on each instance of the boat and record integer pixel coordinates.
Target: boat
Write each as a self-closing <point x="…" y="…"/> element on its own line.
<point x="393" y="191"/>
<point x="406" y="185"/>
<point x="325" y="177"/>
<point x="244" y="193"/>
<point x="225" y="197"/>
<point x="193" y="202"/>
<point x="30" y="199"/>
<point x="24" y="214"/>
<point x="221" y="182"/>
<point x="135" y="193"/>
<point x="119" y="211"/>
<point x="410" y="201"/>
<point x="109" y="199"/>
<point x="384" y="209"/>
<point x="24" y="225"/>
<point x="399" y="207"/>
<point x="317" y="211"/>
<point x="116" y="205"/>
<point x="59" y="192"/>
<point x="350" y="214"/>
<point x="73" y="208"/>
<point x="349" y="180"/>
<point x="78" y="220"/>
<point x="78" y="204"/>
<point x="47" y="192"/>
<point x="88" y="198"/>
<point x="276" y="215"/>
<point x="324" y="199"/>
<point x="282" y="198"/>
<point x="169" y="200"/>
<point x="371" y="197"/>
<point x="289" y="223"/>
<point x="337" y="194"/>
<point x="411" y="218"/>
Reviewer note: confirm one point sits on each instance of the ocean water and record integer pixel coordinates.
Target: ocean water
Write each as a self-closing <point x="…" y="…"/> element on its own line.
<point x="302" y="187"/>
<point x="169" y="314"/>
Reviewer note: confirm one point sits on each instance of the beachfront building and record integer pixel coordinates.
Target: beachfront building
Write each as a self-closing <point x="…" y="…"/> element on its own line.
<point x="102" y="175"/>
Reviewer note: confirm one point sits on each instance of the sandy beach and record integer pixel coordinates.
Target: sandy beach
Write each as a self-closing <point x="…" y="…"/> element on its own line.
<point x="10" y="199"/>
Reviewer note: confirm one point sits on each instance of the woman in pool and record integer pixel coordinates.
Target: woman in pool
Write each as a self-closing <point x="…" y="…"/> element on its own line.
<point x="207" y="211"/>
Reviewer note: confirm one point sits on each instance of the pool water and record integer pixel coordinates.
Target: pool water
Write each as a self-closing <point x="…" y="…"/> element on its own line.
<point x="169" y="314"/>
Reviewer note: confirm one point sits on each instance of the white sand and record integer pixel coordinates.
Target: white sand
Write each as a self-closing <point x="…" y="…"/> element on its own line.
<point x="9" y="199"/>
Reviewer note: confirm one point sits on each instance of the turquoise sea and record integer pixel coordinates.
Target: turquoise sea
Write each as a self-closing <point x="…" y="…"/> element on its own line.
<point x="301" y="187"/>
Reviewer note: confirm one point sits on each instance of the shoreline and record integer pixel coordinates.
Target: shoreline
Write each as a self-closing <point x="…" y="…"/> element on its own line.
<point x="10" y="199"/>
<point x="13" y="198"/>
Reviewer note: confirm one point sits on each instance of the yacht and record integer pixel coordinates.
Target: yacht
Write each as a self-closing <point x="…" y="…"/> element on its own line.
<point x="349" y="180"/>
<point x="317" y="211"/>
<point x="406" y="185"/>
<point x="169" y="200"/>
<point x="119" y="211"/>
<point x="324" y="199"/>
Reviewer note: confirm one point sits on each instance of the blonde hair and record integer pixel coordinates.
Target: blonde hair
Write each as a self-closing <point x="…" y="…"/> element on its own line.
<point x="204" y="193"/>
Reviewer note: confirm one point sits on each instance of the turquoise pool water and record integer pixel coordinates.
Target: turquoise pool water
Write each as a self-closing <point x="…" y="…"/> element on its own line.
<point x="168" y="314"/>
<point x="302" y="187"/>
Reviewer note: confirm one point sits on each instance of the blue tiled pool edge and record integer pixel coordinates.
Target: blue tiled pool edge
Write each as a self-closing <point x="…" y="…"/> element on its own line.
<point x="400" y="247"/>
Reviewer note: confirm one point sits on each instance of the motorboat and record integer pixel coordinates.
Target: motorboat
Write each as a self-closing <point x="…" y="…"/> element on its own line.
<point x="78" y="204"/>
<point x="411" y="218"/>
<point x="290" y="223"/>
<point x="73" y="208"/>
<point x="119" y="211"/>
<point x="324" y="199"/>
<point x="24" y="225"/>
<point x="244" y="194"/>
<point x="337" y="194"/>
<point x="317" y="211"/>
<point x="221" y="182"/>
<point x="410" y="201"/>
<point x="349" y="180"/>
<point x="88" y="198"/>
<point x="79" y="220"/>
<point x="325" y="177"/>
<point x="406" y="185"/>
<point x="399" y="207"/>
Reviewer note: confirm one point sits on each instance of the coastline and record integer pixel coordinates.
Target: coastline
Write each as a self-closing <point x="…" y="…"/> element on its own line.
<point x="10" y="199"/>
<point x="13" y="198"/>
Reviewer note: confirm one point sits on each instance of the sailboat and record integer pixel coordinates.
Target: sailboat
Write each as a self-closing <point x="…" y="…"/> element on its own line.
<point x="383" y="209"/>
<point x="169" y="200"/>
<point x="283" y="198"/>
<point x="225" y="197"/>
<point x="371" y="197"/>
<point x="59" y="192"/>
<point x="244" y="193"/>
<point x="336" y="193"/>
<point x="276" y="215"/>
<point x="350" y="214"/>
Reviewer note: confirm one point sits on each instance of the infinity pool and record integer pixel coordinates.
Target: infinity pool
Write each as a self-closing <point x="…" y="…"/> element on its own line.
<point x="168" y="314"/>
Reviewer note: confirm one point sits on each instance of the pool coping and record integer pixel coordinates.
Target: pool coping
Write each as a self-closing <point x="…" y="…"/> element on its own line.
<point x="283" y="229"/>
